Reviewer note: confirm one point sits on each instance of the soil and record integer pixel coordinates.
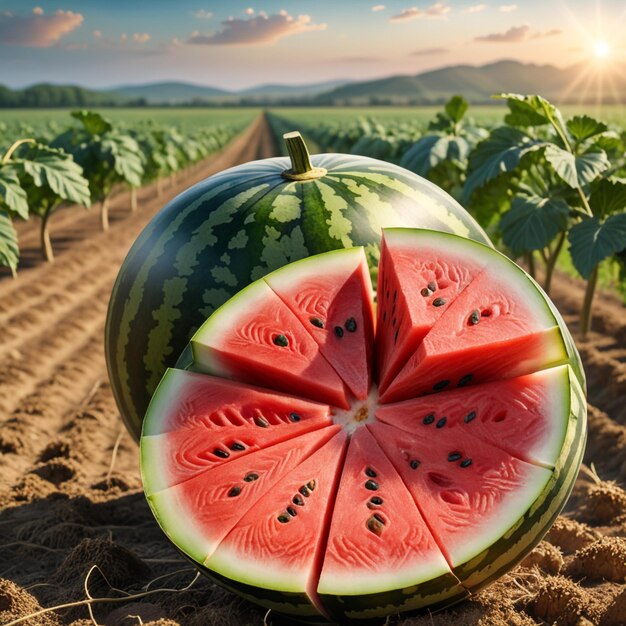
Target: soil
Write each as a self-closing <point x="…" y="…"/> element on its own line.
<point x="73" y="520"/>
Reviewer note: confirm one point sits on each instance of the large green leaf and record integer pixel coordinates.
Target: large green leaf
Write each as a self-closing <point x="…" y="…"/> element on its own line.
<point x="58" y="171"/>
<point x="533" y="222"/>
<point x="501" y="152"/>
<point x="523" y="115"/>
<point x="93" y="122"/>
<point x="576" y="170"/>
<point x="536" y="109"/>
<point x="127" y="158"/>
<point x="429" y="151"/>
<point x="608" y="197"/>
<point x="583" y="127"/>
<point x="9" y="250"/>
<point x="11" y="193"/>
<point x="456" y="108"/>
<point x="594" y="240"/>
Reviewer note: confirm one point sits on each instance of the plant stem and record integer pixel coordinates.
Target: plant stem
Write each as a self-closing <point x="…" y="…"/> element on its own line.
<point x="301" y="166"/>
<point x="586" y="313"/>
<point x="133" y="199"/>
<point x="531" y="264"/>
<point x="46" y="244"/>
<point x="104" y="212"/>
<point x="550" y="265"/>
<point x="13" y="148"/>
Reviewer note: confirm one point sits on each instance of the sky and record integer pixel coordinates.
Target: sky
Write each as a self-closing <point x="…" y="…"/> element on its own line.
<point x="236" y="44"/>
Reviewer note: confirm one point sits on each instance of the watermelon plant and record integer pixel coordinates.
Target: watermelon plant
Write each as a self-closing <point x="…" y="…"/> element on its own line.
<point x="233" y="228"/>
<point x="324" y="469"/>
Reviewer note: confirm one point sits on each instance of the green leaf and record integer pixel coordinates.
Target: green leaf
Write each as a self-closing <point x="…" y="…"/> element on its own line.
<point x="592" y="241"/>
<point x="576" y="170"/>
<point x="501" y="152"/>
<point x="127" y="158"/>
<point x="58" y="171"/>
<point x="456" y="108"/>
<point x="11" y="192"/>
<point x="93" y="122"/>
<point x="429" y="151"/>
<point x="535" y="108"/>
<point x="523" y="115"/>
<point x="533" y="222"/>
<point x="9" y="250"/>
<point x="583" y="127"/>
<point x="609" y="196"/>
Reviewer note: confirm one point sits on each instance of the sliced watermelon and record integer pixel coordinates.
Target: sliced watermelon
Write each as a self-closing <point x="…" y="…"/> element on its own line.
<point x="255" y="338"/>
<point x="280" y="541"/>
<point x="443" y="488"/>
<point x="332" y="298"/>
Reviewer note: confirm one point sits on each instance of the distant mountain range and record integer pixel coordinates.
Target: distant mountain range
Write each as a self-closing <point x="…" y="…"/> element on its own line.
<point x="476" y="83"/>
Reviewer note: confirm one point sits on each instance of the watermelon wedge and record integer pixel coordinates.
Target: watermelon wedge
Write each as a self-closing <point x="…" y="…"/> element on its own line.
<point x="351" y="470"/>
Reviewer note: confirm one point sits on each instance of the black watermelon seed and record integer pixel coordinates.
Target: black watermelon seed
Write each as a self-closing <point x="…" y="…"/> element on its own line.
<point x="298" y="500"/>
<point x="395" y="337"/>
<point x="454" y="456"/>
<point x="370" y="472"/>
<point x="350" y="325"/>
<point x="235" y="491"/>
<point x="425" y="292"/>
<point x="442" y="422"/>
<point x="376" y="500"/>
<point x="384" y="315"/>
<point x="429" y="419"/>
<point x="283" y="519"/>
<point x="294" y="417"/>
<point x="292" y="511"/>
<point x="372" y="485"/>
<point x="316" y="321"/>
<point x="439" y="302"/>
<point x="465" y="462"/>
<point x="469" y="417"/>
<point x="338" y="331"/>
<point x="474" y="317"/>
<point x="393" y="323"/>
<point x="261" y="422"/>
<point x="414" y="464"/>
<point x="221" y="453"/>
<point x="251" y="476"/>
<point x="281" y="340"/>
<point x="465" y="380"/>
<point x="304" y="491"/>
<point x="374" y="525"/>
<point x="380" y="518"/>
<point x="237" y="446"/>
<point x="311" y="485"/>
<point x="442" y="384"/>
<point x="432" y="286"/>
<point x="395" y="294"/>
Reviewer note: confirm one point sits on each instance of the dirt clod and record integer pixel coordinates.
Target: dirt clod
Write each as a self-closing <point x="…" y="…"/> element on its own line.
<point x="570" y="535"/>
<point x="546" y="557"/>
<point x="605" y="559"/>
<point x="15" y="602"/>
<point x="605" y="502"/>
<point x="615" y="614"/>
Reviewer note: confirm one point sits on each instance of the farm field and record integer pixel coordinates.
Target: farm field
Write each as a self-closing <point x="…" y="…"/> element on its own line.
<point x="70" y="490"/>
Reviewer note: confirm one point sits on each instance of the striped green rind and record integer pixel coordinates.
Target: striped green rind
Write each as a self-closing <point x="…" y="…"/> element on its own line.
<point x="530" y="529"/>
<point x="235" y="227"/>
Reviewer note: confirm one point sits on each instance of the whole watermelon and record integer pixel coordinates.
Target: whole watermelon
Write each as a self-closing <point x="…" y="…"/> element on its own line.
<point x="237" y="226"/>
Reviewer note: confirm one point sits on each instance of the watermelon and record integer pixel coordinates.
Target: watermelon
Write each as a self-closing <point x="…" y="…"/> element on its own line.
<point x="236" y="226"/>
<point x="284" y="468"/>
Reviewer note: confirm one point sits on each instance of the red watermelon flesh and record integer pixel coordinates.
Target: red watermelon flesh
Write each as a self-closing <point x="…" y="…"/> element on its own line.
<point x="460" y="499"/>
<point x="332" y="298"/>
<point x="201" y="422"/>
<point x="467" y="489"/>
<point x="525" y="416"/>
<point x="487" y="333"/>
<point x="264" y="343"/>
<point x="279" y="542"/>
<point x="214" y="501"/>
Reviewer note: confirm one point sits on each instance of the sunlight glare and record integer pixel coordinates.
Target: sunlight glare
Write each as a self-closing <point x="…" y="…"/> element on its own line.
<point x="601" y="49"/>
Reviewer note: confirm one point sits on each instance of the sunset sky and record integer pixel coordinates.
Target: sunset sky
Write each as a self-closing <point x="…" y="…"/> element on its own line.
<point x="237" y="44"/>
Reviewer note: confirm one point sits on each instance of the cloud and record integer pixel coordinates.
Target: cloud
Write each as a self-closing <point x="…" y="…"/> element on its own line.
<point x="517" y="34"/>
<point x="123" y="37"/>
<point x="141" y="37"/>
<point x="425" y="52"/>
<point x="378" y="7"/>
<point x="476" y="8"/>
<point x="508" y="8"/>
<point x="37" y="30"/>
<point x="257" y="30"/>
<point x="356" y="59"/>
<point x="97" y="34"/>
<point x="202" y="14"/>
<point x="249" y="11"/>
<point x="436" y="10"/>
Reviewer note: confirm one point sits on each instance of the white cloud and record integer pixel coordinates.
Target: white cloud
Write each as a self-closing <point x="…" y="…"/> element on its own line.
<point x="476" y="8"/>
<point x="141" y="37"/>
<point x="257" y="30"/>
<point x="37" y="11"/>
<point x="97" y="34"/>
<point x="203" y="14"/>
<point x="37" y="30"/>
<point x="436" y="10"/>
<point x="508" y="8"/>
<point x="378" y="7"/>
<point x="517" y="34"/>
<point x="123" y="37"/>
<point x="250" y="11"/>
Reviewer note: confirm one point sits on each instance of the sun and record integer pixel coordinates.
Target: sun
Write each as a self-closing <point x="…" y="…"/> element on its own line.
<point x="601" y="49"/>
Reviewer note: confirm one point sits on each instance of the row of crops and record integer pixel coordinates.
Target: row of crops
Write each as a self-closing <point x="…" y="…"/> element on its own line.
<point x="547" y="189"/>
<point x="84" y="161"/>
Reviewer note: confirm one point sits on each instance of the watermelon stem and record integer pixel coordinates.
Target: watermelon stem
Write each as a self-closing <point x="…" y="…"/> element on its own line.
<point x="301" y="166"/>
